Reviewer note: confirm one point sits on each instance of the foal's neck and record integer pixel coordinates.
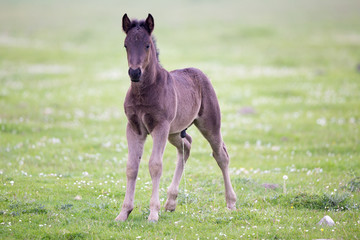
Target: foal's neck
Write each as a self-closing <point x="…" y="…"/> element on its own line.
<point x="152" y="74"/>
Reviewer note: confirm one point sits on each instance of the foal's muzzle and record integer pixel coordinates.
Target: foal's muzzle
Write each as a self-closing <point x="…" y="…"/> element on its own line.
<point x="135" y="74"/>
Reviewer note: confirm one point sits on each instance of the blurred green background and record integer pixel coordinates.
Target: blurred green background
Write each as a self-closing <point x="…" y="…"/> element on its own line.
<point x="287" y="75"/>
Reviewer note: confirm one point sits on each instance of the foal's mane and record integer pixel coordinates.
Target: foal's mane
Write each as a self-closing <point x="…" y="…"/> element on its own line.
<point x="138" y="24"/>
<point x="156" y="49"/>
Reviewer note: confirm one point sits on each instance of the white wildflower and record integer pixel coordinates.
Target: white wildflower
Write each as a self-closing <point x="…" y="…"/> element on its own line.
<point x="321" y="121"/>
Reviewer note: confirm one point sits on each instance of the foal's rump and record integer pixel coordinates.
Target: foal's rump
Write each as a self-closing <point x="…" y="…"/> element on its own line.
<point x="194" y="95"/>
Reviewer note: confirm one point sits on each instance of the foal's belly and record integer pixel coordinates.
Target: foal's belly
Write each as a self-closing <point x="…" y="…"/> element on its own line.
<point x="187" y="110"/>
<point x="188" y="99"/>
<point x="181" y="123"/>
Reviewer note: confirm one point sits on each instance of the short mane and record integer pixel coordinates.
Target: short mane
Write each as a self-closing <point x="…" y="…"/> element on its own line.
<point x="156" y="49"/>
<point x="138" y="24"/>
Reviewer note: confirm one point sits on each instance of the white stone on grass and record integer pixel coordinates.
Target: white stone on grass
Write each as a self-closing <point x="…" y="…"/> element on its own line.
<point x="77" y="197"/>
<point x="327" y="221"/>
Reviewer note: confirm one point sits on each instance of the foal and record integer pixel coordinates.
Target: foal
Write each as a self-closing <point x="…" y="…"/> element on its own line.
<point x="163" y="104"/>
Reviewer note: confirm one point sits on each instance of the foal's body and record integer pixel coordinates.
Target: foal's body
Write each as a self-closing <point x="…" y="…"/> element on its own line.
<point x="163" y="104"/>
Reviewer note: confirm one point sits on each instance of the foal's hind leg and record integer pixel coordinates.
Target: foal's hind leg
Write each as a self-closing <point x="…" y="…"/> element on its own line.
<point x="211" y="131"/>
<point x="173" y="190"/>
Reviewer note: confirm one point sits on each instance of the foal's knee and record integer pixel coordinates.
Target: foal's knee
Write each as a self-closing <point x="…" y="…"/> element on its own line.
<point x="155" y="167"/>
<point x="132" y="171"/>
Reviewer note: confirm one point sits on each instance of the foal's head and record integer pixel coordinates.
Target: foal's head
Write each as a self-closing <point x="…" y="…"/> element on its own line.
<point x="139" y="46"/>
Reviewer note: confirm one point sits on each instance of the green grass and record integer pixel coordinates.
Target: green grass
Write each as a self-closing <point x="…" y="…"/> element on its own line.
<point x="63" y="77"/>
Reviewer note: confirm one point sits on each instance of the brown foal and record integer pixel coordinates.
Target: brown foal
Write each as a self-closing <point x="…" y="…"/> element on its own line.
<point x="163" y="104"/>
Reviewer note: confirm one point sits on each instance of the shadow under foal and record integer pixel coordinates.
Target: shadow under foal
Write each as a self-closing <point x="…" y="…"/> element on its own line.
<point x="163" y="104"/>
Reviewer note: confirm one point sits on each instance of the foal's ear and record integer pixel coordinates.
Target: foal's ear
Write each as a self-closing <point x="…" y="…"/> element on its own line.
<point x="149" y="23"/>
<point x="126" y="23"/>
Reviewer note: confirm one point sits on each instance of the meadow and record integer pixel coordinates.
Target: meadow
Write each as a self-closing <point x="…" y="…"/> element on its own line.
<point x="287" y="75"/>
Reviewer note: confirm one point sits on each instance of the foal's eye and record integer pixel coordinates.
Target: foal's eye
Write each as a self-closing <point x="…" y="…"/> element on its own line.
<point x="147" y="46"/>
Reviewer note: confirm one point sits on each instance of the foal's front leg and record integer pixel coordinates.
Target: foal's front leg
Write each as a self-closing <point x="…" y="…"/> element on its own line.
<point x="159" y="135"/>
<point x="135" y="148"/>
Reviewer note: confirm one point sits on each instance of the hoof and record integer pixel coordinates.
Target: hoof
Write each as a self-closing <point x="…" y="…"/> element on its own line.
<point x="122" y="216"/>
<point x="232" y="208"/>
<point x="231" y="201"/>
<point x="153" y="217"/>
<point x="170" y="205"/>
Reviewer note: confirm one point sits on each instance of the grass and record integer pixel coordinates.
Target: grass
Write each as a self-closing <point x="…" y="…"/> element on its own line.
<point x="63" y="152"/>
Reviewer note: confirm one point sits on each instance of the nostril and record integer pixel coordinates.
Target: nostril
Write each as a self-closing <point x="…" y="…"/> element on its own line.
<point x="134" y="74"/>
<point x="134" y="71"/>
<point x="138" y="71"/>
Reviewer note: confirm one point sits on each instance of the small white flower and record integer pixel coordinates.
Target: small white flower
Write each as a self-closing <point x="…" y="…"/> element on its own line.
<point x="275" y="148"/>
<point x="54" y="140"/>
<point x="321" y="121"/>
<point x="106" y="144"/>
<point x="285" y="177"/>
